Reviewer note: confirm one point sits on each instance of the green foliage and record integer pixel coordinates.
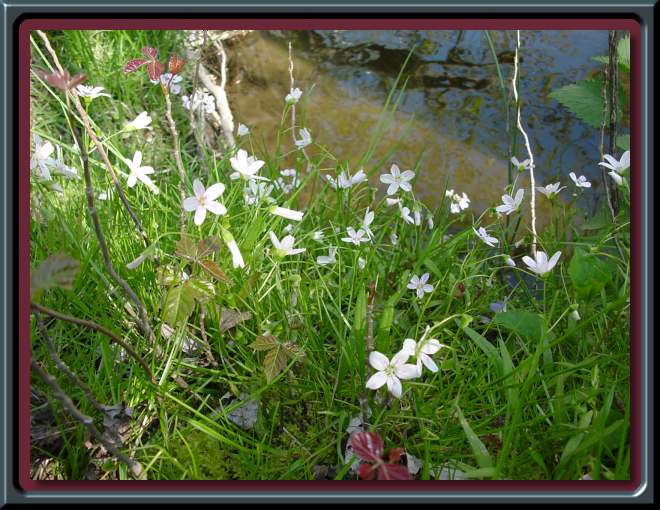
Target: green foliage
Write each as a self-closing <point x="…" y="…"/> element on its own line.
<point x="583" y="99"/>
<point x="590" y="272"/>
<point x="528" y="325"/>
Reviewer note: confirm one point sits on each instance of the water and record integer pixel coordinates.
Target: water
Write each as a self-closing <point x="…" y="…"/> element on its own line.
<point x="451" y="111"/>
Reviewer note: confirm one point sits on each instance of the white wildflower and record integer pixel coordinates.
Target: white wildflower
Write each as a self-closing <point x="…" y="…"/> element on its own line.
<point x="483" y="235"/>
<point x="510" y="204"/>
<point x="419" y="285"/>
<point x="540" y="264"/>
<point x="390" y="372"/>
<point x="205" y="199"/>
<point x="396" y="179"/>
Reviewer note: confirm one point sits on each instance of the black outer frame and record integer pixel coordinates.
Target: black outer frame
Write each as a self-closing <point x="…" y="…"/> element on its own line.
<point x="10" y="491"/>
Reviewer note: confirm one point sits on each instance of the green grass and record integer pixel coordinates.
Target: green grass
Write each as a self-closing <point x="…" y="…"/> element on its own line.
<point x="507" y="402"/>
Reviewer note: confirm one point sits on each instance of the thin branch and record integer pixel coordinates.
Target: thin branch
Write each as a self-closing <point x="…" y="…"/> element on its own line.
<point x="221" y="101"/>
<point x="97" y="143"/>
<point x="527" y="144"/>
<point x="177" y="158"/>
<point x="87" y="421"/>
<point x="96" y="327"/>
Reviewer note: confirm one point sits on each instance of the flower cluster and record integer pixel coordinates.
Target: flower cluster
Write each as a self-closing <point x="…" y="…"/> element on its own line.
<point x="457" y="203"/>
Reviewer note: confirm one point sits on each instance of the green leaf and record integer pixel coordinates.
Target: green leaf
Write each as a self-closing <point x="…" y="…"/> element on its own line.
<point x="589" y="272"/>
<point x="478" y="449"/>
<point x="583" y="99"/>
<point x="274" y="362"/>
<point x="488" y="348"/>
<point x="203" y="289"/>
<point x="623" y="142"/>
<point x="623" y="51"/>
<point x="214" y="270"/>
<point x="188" y="249"/>
<point x="528" y="325"/>
<point x="264" y="343"/>
<point x="601" y="219"/>
<point x="55" y="271"/>
<point x="179" y="304"/>
<point x="360" y="312"/>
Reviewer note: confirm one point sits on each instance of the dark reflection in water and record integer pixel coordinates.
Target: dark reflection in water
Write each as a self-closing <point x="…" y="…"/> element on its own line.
<point x="451" y="110"/>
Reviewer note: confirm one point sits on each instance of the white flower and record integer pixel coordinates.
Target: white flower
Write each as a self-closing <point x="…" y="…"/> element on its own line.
<point x="284" y="247"/>
<point x="619" y="166"/>
<point x="245" y="167"/>
<point x="390" y="372"/>
<point x="41" y="157"/>
<point x="361" y="263"/>
<point x="257" y="191"/>
<point x="483" y="235"/>
<point x="541" y="265"/>
<point x="199" y="98"/>
<point x="550" y="190"/>
<point x="345" y="180"/>
<point x="392" y="201"/>
<point x="521" y="166"/>
<point x="91" y="92"/>
<point x="423" y="350"/>
<point x="355" y="237"/>
<point x="419" y="285"/>
<point x="59" y="167"/>
<point x="305" y="140"/>
<point x="168" y="80"/>
<point x="394" y="239"/>
<point x="289" y="228"/>
<point x="242" y="130"/>
<point x="140" y="122"/>
<point x="368" y="220"/>
<point x="289" y="214"/>
<point x="405" y="214"/>
<point x="292" y="184"/>
<point x="457" y="202"/>
<point x="617" y="178"/>
<point x="237" y="258"/>
<point x="575" y="315"/>
<point x="293" y="96"/>
<point x="397" y="180"/>
<point x="429" y="221"/>
<point x="511" y="204"/>
<point x="328" y="259"/>
<point x="580" y="182"/>
<point x="359" y="177"/>
<point x="139" y="172"/>
<point x="205" y="199"/>
<point x="318" y="235"/>
<point x="509" y="262"/>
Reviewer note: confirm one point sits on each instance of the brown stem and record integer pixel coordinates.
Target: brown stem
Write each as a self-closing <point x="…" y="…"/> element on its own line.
<point x="369" y="341"/>
<point x="63" y="367"/>
<point x="96" y="327"/>
<point x="613" y="83"/>
<point x="177" y="158"/>
<point x="87" y="421"/>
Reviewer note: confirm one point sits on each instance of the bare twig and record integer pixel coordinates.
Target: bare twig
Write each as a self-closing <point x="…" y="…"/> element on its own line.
<point x="96" y="327"/>
<point x="97" y="143"/>
<point x="603" y="121"/>
<point x="613" y="83"/>
<point x="527" y="144"/>
<point x="221" y="101"/>
<point x="87" y="421"/>
<point x="369" y="342"/>
<point x="176" y="151"/>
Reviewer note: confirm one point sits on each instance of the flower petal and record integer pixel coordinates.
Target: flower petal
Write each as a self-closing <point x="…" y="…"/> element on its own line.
<point x="376" y="380"/>
<point x="198" y="188"/>
<point x="394" y="386"/>
<point x="216" y="207"/>
<point x="428" y="362"/>
<point x="407" y="371"/>
<point x="200" y="214"/>
<point x="190" y="204"/>
<point x="378" y="360"/>
<point x="215" y="191"/>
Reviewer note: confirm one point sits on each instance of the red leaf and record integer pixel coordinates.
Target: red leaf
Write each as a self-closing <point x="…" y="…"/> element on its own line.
<point x="176" y="63"/>
<point x="149" y="52"/>
<point x="393" y="472"/>
<point x="367" y="471"/>
<point x="155" y="69"/>
<point x="62" y="81"/>
<point x="395" y="454"/>
<point x="368" y="446"/>
<point x="132" y="65"/>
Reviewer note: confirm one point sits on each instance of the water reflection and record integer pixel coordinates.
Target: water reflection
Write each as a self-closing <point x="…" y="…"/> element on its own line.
<point x="451" y="110"/>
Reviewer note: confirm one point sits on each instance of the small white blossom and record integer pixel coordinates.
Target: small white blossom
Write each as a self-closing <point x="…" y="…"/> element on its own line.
<point x="317" y="236"/>
<point x="305" y="139"/>
<point x="541" y="265"/>
<point x="394" y="239"/>
<point x="90" y="92"/>
<point x="242" y="130"/>
<point x="245" y="167"/>
<point x="392" y="201"/>
<point x="423" y="350"/>
<point x="575" y="315"/>
<point x="205" y="199"/>
<point x="171" y="81"/>
<point x="355" y="237"/>
<point x="140" y="122"/>
<point x="511" y="204"/>
<point x="419" y="285"/>
<point x="509" y="262"/>
<point x="330" y="258"/>
<point x="483" y="235"/>
<point x="289" y="214"/>
<point x="405" y="214"/>
<point x="396" y="179"/>
<point x="429" y="221"/>
<point x="580" y="182"/>
<point x="619" y="166"/>
<point x="139" y="172"/>
<point x="390" y="372"/>
<point x="458" y="202"/>
<point x="256" y="192"/>
<point x="237" y="258"/>
<point x="59" y="167"/>
<point x="345" y="180"/>
<point x="294" y="96"/>
<point x="616" y="177"/>
<point x="550" y="190"/>
<point x="199" y="98"/>
<point x="41" y="157"/>
<point x="521" y="167"/>
<point x="285" y="246"/>
<point x="368" y="220"/>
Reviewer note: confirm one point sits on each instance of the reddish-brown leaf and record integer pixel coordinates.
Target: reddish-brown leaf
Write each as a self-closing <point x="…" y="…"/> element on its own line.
<point x="63" y="80"/>
<point x="367" y="471"/>
<point x="149" y="52"/>
<point x="395" y="454"/>
<point x="393" y="472"/>
<point x="134" y="64"/>
<point x="155" y="69"/>
<point x="176" y="63"/>
<point x="368" y="446"/>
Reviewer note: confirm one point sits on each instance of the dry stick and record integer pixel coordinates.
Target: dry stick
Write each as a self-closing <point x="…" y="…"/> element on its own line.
<point x="87" y="421"/>
<point x="603" y="116"/>
<point x="369" y="341"/>
<point x="527" y="145"/>
<point x="96" y="327"/>
<point x="63" y="367"/>
<point x="177" y="157"/>
<point x="97" y="143"/>
<point x="89" y="191"/>
<point x="613" y="65"/>
<point x="221" y="101"/>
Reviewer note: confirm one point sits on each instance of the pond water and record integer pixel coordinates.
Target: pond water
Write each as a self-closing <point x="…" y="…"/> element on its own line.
<point x="451" y="113"/>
